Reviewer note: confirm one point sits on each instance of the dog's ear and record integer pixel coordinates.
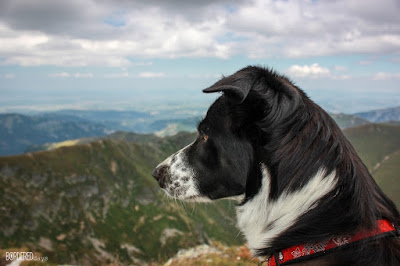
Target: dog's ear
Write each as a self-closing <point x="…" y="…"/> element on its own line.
<point x="236" y="87"/>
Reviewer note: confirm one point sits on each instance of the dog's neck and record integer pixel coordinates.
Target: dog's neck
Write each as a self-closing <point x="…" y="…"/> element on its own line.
<point x="262" y="219"/>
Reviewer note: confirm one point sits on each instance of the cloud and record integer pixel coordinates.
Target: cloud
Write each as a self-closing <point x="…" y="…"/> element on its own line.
<point x="145" y="34"/>
<point x="117" y="75"/>
<point x="365" y="62"/>
<point x="83" y="75"/>
<point x="340" y="68"/>
<point x="119" y="33"/>
<point x="69" y="75"/>
<point x="152" y="75"/>
<point x="60" y="75"/>
<point x="341" y="77"/>
<point x="9" y="76"/>
<point x="141" y="64"/>
<point x="315" y="28"/>
<point x="313" y="71"/>
<point x="386" y="76"/>
<point x="60" y="18"/>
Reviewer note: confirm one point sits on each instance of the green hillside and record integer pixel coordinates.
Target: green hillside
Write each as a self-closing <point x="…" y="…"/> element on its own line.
<point x="374" y="141"/>
<point x="97" y="202"/>
<point x="387" y="176"/>
<point x="379" y="147"/>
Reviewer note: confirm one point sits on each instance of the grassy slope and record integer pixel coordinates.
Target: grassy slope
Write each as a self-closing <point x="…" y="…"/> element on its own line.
<point x="374" y="141"/>
<point x="379" y="146"/>
<point x="388" y="176"/>
<point x="98" y="202"/>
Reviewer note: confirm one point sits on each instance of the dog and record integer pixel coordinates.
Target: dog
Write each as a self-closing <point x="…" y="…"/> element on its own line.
<point x="306" y="198"/>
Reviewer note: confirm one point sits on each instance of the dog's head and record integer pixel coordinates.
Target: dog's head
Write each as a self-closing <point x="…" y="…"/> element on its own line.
<point x="218" y="163"/>
<point x="215" y="165"/>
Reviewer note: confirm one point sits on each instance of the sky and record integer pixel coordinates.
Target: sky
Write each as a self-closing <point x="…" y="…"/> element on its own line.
<point x="132" y="54"/>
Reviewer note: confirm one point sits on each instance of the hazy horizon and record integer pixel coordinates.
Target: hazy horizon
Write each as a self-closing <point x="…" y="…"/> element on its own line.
<point x="154" y="101"/>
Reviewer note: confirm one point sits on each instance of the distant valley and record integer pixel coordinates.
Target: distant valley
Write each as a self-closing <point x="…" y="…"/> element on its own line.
<point x="23" y="133"/>
<point x="18" y="132"/>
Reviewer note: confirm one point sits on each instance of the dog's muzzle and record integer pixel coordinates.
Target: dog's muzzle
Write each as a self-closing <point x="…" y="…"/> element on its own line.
<point x="176" y="177"/>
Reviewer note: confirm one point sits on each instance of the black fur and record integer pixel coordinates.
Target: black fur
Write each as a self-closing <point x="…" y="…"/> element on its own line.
<point x="263" y="118"/>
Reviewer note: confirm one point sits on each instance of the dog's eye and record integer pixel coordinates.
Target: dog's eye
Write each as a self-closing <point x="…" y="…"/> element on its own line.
<point x="204" y="138"/>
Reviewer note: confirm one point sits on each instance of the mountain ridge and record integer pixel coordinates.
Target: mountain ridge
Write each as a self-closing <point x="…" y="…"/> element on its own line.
<point x="27" y="133"/>
<point x="17" y="132"/>
<point x="381" y="115"/>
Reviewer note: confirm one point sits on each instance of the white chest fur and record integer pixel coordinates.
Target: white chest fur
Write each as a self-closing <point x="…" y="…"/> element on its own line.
<point x="257" y="214"/>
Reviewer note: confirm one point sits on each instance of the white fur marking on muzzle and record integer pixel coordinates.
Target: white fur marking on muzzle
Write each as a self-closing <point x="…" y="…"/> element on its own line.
<point x="181" y="181"/>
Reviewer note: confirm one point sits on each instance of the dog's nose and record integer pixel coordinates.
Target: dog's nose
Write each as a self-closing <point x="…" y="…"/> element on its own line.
<point x="156" y="173"/>
<point x="160" y="173"/>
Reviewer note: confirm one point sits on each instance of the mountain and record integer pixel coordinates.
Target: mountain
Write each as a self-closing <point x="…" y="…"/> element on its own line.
<point x="119" y="135"/>
<point x="17" y="132"/>
<point x="163" y="124"/>
<point x="346" y="120"/>
<point x="55" y="145"/>
<point x="22" y="133"/>
<point x="382" y="115"/>
<point x="169" y="127"/>
<point x="112" y="119"/>
<point x="97" y="203"/>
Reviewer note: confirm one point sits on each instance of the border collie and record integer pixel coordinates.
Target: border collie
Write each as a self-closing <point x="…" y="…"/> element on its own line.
<point x="306" y="196"/>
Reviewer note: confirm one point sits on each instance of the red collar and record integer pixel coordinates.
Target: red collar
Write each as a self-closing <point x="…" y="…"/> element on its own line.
<point x="309" y="250"/>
